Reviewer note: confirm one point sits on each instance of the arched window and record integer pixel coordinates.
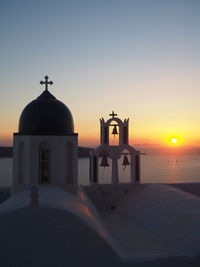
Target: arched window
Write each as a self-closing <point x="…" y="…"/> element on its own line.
<point x="45" y="163"/>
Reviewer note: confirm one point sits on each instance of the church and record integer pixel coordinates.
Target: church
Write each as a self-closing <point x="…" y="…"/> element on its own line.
<point x="45" y="147"/>
<point x="52" y="220"/>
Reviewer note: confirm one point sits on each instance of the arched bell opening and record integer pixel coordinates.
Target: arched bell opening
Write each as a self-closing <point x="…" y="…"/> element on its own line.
<point x="105" y="165"/>
<point x="124" y="166"/>
<point x="113" y="133"/>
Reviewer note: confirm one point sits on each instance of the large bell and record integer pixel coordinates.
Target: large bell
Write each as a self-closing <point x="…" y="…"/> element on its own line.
<point x="104" y="162"/>
<point x="115" y="130"/>
<point x="125" y="161"/>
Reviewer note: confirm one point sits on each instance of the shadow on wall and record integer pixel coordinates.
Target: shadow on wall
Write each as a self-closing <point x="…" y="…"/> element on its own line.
<point x="108" y="197"/>
<point x="5" y="193"/>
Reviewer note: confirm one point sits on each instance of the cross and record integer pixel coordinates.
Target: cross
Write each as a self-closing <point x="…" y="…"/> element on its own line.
<point x="46" y="82"/>
<point x="113" y="114"/>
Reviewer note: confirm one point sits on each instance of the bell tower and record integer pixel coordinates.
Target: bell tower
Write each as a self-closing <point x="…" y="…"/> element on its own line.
<point x="100" y="156"/>
<point x="117" y="124"/>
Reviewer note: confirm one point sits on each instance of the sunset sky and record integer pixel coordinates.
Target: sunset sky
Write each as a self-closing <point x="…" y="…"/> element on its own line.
<point x="139" y="58"/>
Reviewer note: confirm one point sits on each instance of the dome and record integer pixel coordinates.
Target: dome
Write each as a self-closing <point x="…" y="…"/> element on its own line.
<point x="46" y="116"/>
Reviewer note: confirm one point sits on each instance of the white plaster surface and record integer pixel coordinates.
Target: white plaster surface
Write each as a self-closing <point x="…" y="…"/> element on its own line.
<point x="59" y="198"/>
<point x="63" y="162"/>
<point x="156" y="221"/>
<point x="151" y="222"/>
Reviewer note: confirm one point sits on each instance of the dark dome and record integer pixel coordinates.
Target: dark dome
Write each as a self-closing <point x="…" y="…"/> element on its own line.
<point x="46" y="116"/>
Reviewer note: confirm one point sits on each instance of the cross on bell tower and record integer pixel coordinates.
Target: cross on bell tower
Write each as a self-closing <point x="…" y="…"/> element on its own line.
<point x="113" y="114"/>
<point x="46" y="82"/>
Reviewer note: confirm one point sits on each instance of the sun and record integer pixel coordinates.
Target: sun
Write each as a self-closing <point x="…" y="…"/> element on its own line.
<point x="174" y="141"/>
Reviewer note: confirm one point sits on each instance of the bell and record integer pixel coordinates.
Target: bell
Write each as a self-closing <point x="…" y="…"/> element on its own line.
<point x="125" y="161"/>
<point x="115" y="130"/>
<point x="104" y="162"/>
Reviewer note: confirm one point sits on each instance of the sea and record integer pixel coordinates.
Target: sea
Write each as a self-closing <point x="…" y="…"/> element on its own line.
<point x="154" y="169"/>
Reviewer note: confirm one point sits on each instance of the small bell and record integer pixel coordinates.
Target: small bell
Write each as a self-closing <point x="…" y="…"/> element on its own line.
<point x="104" y="162"/>
<point x="115" y="130"/>
<point x="125" y="161"/>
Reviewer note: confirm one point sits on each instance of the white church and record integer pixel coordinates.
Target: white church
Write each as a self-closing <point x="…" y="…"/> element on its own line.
<point x="45" y="147"/>
<point x="51" y="220"/>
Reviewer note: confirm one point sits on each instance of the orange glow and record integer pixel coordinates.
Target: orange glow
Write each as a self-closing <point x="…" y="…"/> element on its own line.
<point x="6" y="139"/>
<point x="80" y="208"/>
<point x="174" y="141"/>
<point x="86" y="211"/>
<point x="89" y="141"/>
<point x="147" y="134"/>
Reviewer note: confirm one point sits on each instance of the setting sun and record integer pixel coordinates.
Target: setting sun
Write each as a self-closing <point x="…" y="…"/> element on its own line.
<point x="174" y="141"/>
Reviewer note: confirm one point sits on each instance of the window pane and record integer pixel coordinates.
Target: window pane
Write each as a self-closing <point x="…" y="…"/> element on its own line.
<point x="45" y="165"/>
<point x="45" y="155"/>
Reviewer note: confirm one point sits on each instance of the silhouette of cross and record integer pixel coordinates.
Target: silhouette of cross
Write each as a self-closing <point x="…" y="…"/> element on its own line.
<point x="46" y="82"/>
<point x="113" y="114"/>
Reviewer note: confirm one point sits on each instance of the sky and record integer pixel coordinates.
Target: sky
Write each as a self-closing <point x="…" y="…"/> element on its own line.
<point x="139" y="58"/>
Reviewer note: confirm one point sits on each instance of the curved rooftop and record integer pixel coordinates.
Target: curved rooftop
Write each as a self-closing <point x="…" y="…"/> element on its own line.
<point x="46" y="116"/>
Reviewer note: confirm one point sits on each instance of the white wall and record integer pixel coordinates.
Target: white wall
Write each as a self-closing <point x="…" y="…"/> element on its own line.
<point x="64" y="162"/>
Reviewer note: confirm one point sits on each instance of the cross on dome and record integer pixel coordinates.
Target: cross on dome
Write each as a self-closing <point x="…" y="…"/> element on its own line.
<point x="113" y="114"/>
<point x="46" y="82"/>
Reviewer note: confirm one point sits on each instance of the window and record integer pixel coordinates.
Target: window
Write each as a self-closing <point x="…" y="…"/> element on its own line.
<point x="44" y="164"/>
